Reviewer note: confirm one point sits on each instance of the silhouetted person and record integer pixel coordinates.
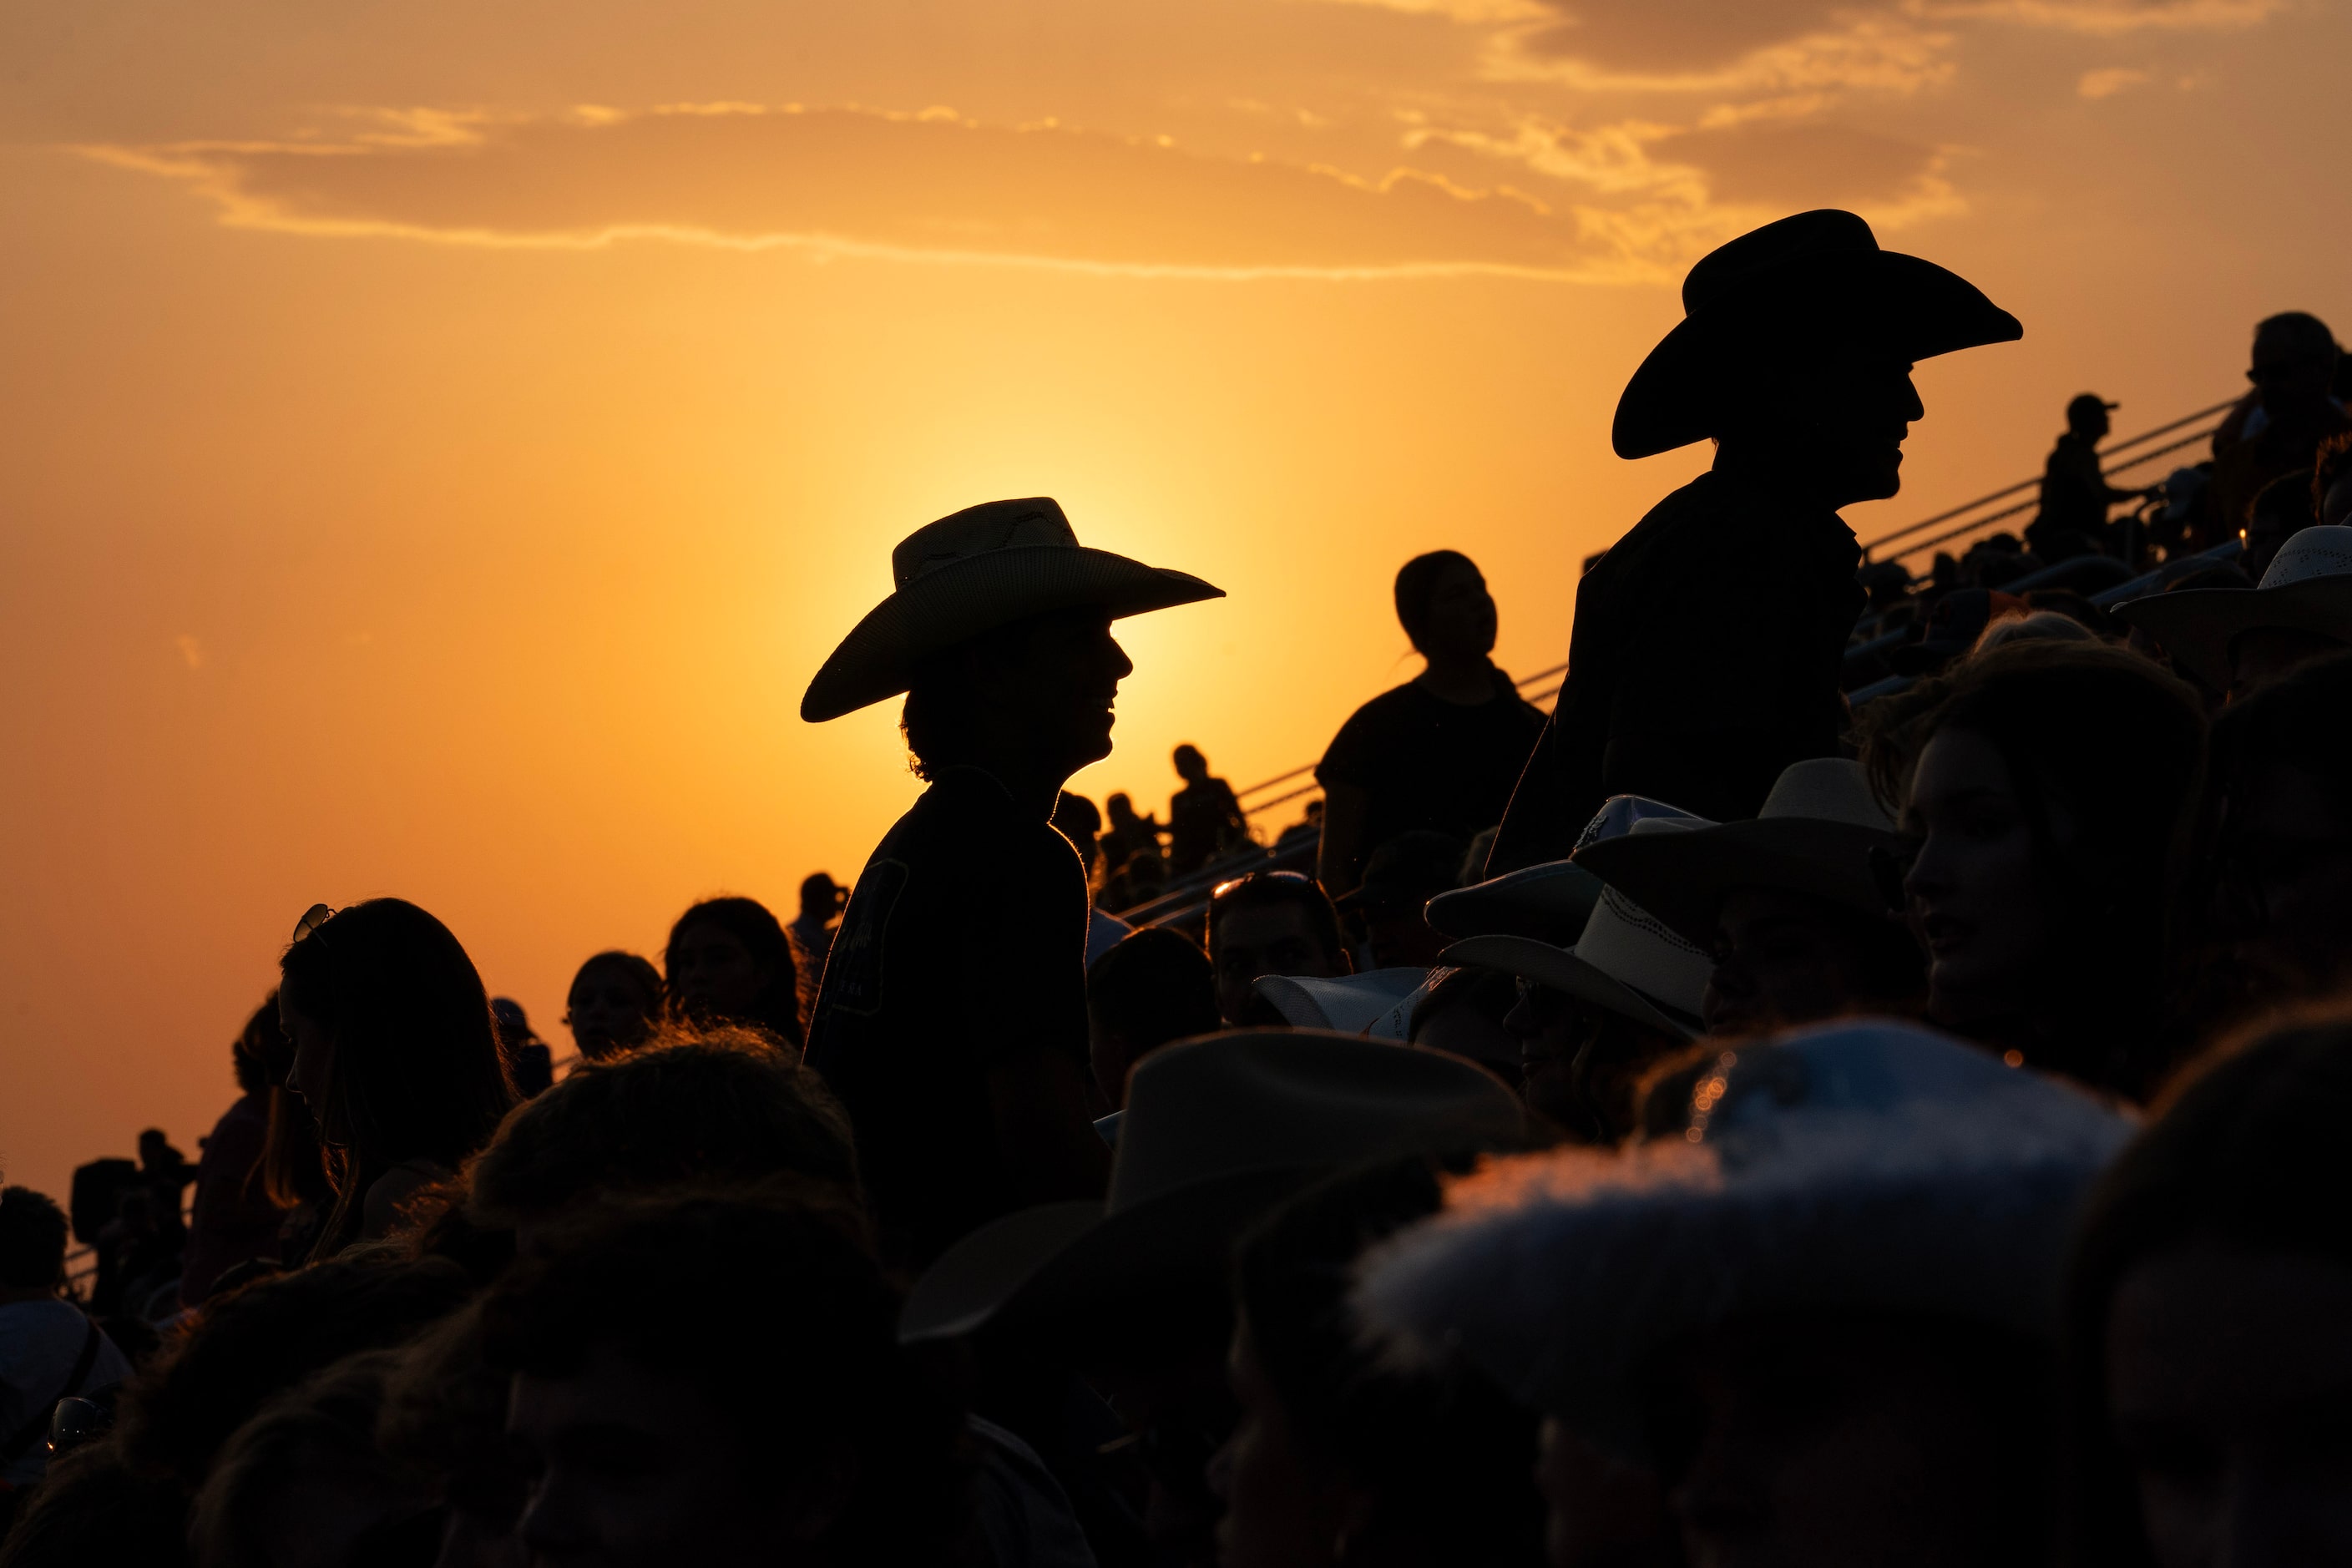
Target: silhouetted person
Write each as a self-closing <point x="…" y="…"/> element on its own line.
<point x="1153" y="987"/>
<point x="528" y="1061"/>
<point x="49" y="1350"/>
<point x="2278" y="427"/>
<point x="612" y="1005"/>
<point x="1075" y="819"/>
<point x="952" y="1023"/>
<point x="2075" y="495"/>
<point x="1129" y="834"/>
<point x="1439" y="753"/>
<point x="822" y="901"/>
<point x="233" y="1218"/>
<point x="729" y="961"/>
<point x="1204" y="820"/>
<point x="1271" y="922"/>
<point x="1709" y="641"/>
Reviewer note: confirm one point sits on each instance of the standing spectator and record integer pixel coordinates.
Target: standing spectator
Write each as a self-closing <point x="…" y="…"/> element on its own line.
<point x="234" y="1218"/>
<point x="49" y="1350"/>
<point x="822" y="901"/>
<point x="953" y="1019"/>
<point x="2075" y="495"/>
<point x="612" y="1005"/>
<point x="1709" y="641"/>
<point x="729" y="961"/>
<point x="1271" y="922"/>
<point x="1134" y="869"/>
<point x="1204" y="818"/>
<point x="2278" y="427"/>
<point x="1440" y="753"/>
<point x="395" y="1055"/>
<point x="1075" y="819"/>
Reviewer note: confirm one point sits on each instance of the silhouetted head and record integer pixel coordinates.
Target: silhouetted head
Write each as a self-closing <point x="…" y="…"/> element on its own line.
<point x="1191" y="765"/>
<point x="729" y="961"/>
<point x="1442" y="604"/>
<point x="1271" y="922"/>
<point x="2086" y="416"/>
<point x="396" y="1053"/>
<point x="613" y="1004"/>
<point x="32" y="1241"/>
<point x="1035" y="696"/>
<point x="1154" y="986"/>
<point x="2293" y="363"/>
<point x="262" y="1053"/>
<point x="1121" y="809"/>
<point x="821" y="896"/>
<point x="1831" y="415"/>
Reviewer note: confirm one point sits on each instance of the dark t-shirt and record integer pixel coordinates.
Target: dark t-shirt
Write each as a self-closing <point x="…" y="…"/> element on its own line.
<point x="1430" y="763"/>
<point x="963" y="944"/>
<point x="1711" y="640"/>
<point x="2076" y="494"/>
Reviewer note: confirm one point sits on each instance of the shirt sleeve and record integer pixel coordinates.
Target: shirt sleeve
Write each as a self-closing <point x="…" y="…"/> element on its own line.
<point x="1354" y="756"/>
<point x="1021" y="962"/>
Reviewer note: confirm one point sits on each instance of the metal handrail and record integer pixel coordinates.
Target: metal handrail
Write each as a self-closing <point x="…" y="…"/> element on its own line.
<point x="1990" y="518"/>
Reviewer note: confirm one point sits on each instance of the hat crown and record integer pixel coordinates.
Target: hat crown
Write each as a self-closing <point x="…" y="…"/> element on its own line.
<point x="1235" y="1103"/>
<point x="1634" y="948"/>
<point x="1723" y="271"/>
<point x="2321" y="551"/>
<point x="1826" y="789"/>
<point x="979" y="531"/>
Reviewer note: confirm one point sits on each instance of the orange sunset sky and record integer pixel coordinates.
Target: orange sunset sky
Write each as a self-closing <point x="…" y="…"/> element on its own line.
<point x="438" y="440"/>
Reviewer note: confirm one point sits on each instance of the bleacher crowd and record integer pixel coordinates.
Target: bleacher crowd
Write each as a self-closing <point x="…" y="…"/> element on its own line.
<point x="1818" y="1096"/>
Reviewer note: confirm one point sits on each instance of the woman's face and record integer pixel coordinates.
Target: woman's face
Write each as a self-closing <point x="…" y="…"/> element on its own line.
<point x="1977" y="899"/>
<point x="713" y="973"/>
<point x="2230" y="1391"/>
<point x="1461" y="616"/>
<point x="1285" y="1506"/>
<point x="313" y="1056"/>
<point x="607" y="1010"/>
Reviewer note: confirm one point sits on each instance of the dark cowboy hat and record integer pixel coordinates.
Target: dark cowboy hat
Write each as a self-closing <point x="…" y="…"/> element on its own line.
<point x="1818" y="272"/>
<point x="972" y="571"/>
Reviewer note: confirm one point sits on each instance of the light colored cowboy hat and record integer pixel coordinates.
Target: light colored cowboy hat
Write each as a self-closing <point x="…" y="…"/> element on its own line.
<point x="1377" y="1003"/>
<point x="1549" y="903"/>
<point x="984" y="567"/>
<point x="2307" y="588"/>
<point x="1217" y="1130"/>
<point x="1813" y="836"/>
<point x="1874" y="1165"/>
<point x="1818" y="272"/>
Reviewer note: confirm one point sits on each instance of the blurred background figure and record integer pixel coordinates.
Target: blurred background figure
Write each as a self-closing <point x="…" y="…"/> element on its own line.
<point x="1204" y="820"/>
<point x="729" y="961"/>
<point x="613" y="1003"/>
<point x="1075" y="819"/>
<point x="1403" y="874"/>
<point x="528" y="1061"/>
<point x="1135" y="871"/>
<point x="1153" y="987"/>
<point x="2278" y="427"/>
<point x="822" y="901"/>
<point x="233" y="1219"/>
<point x="1440" y="753"/>
<point x="49" y="1350"/>
<point x="2075" y="496"/>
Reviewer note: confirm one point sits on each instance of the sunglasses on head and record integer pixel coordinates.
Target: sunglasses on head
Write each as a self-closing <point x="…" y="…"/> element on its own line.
<point x="312" y="919"/>
<point x="1221" y="889"/>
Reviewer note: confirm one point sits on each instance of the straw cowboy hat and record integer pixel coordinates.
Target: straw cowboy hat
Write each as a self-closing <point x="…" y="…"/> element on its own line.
<point x="1216" y="1131"/>
<point x="984" y="567"/>
<point x="1549" y="903"/>
<point x="1818" y="273"/>
<point x="1814" y="836"/>
<point x="1873" y="1165"/>
<point x="1377" y="1003"/>
<point x="2307" y="588"/>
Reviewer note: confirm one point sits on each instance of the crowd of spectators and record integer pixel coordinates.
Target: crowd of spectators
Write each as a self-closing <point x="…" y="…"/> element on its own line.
<point x="1919" y="1142"/>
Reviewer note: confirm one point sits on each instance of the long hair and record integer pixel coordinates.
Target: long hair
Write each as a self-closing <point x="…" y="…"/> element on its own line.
<point x="415" y="1069"/>
<point x="779" y="1006"/>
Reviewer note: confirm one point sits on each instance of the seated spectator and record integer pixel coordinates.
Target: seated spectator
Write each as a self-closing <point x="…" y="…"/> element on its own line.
<point x="1820" y="1305"/>
<point x="2280" y="788"/>
<point x="719" y="1106"/>
<point x="1400" y="879"/>
<point x="253" y="1344"/>
<point x="528" y="1061"/>
<point x="1271" y="922"/>
<point x="1441" y="752"/>
<point x="2211" y="1281"/>
<point x="445" y="1417"/>
<point x="49" y="1350"/>
<point x="1952" y="630"/>
<point x="822" y="901"/>
<point x="1129" y="837"/>
<point x="2283" y="508"/>
<point x="1153" y="987"/>
<point x="2047" y="798"/>
<point x="2228" y="641"/>
<point x="1464" y="1013"/>
<point x="1336" y="1457"/>
<point x="1787" y="902"/>
<point x="304" y="1482"/>
<point x="812" y="1439"/>
<point x="1205" y="820"/>
<point x="1075" y="819"/>
<point x="233" y="1218"/>
<point x="613" y="1003"/>
<point x="2046" y="626"/>
<point x="2278" y="427"/>
<point x="729" y="962"/>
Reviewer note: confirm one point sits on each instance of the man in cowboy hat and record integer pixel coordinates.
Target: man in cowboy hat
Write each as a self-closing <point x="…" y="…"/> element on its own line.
<point x="2228" y="641"/>
<point x="1709" y="641"/>
<point x="952" y="1019"/>
<point x="1788" y="904"/>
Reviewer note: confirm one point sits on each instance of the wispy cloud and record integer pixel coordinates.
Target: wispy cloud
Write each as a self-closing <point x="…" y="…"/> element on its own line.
<point x="2106" y="83"/>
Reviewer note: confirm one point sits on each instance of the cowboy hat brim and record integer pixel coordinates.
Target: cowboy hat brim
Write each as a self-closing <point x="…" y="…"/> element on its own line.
<point x="2196" y="625"/>
<point x="979" y="594"/>
<point x="1682" y="878"/>
<point x="1912" y="308"/>
<point x="1560" y="968"/>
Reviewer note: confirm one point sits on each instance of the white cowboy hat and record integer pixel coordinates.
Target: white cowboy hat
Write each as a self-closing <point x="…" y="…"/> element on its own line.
<point x="1873" y="1165"/>
<point x="1377" y="1003"/>
<point x="1813" y="836"/>
<point x="1549" y="903"/>
<point x="983" y="567"/>
<point x="1217" y="1130"/>
<point x="2308" y="588"/>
